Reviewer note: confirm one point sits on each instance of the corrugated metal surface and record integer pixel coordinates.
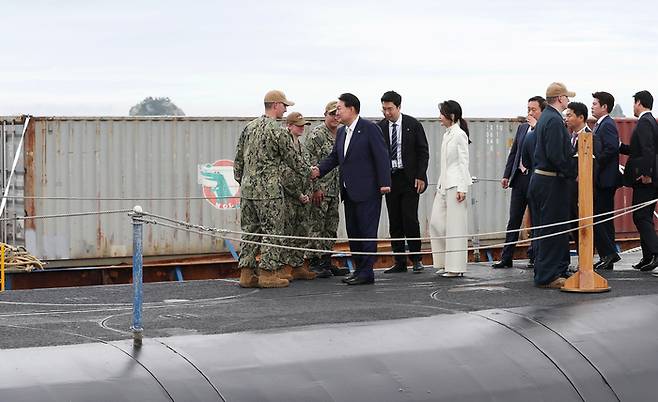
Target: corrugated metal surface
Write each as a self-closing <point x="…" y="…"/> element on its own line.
<point x="160" y="157"/>
<point x="11" y="231"/>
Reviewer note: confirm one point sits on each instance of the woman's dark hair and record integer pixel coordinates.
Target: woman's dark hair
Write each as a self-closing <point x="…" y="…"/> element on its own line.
<point x="452" y="110"/>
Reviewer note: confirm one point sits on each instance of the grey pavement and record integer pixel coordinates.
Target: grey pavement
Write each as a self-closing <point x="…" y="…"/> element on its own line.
<point x="63" y="316"/>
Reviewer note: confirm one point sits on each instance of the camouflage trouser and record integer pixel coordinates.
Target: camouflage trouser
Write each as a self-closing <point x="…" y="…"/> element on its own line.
<point x="261" y="216"/>
<point x="323" y="223"/>
<point x="296" y="224"/>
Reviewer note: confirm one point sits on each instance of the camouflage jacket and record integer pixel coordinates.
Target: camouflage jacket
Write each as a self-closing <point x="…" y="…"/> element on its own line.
<point x="263" y="151"/>
<point x="318" y="144"/>
<point x="295" y="184"/>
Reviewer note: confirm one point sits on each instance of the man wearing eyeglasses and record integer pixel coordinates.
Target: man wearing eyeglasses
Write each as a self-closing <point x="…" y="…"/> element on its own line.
<point x="547" y="190"/>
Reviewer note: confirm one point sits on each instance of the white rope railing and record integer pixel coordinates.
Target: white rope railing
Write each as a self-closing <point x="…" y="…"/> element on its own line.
<point x="221" y="233"/>
<point x="618" y="212"/>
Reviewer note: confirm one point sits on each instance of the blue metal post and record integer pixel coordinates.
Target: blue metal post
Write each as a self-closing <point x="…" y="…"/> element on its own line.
<point x="137" y="276"/>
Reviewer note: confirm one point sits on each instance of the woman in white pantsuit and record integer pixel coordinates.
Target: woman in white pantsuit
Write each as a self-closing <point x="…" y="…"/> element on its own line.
<point x="449" y="212"/>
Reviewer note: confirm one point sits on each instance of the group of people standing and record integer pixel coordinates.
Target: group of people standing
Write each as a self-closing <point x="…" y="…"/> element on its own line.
<point x="542" y="170"/>
<point x="290" y="188"/>
<point x="294" y="189"/>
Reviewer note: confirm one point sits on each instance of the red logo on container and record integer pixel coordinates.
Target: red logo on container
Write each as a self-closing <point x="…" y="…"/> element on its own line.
<point x="218" y="185"/>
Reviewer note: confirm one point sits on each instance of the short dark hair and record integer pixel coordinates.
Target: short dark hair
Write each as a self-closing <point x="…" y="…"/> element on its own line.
<point x="451" y="107"/>
<point x="645" y="99"/>
<point x="392" y="96"/>
<point x="579" y="109"/>
<point x="350" y="100"/>
<point x="541" y="101"/>
<point x="606" y="99"/>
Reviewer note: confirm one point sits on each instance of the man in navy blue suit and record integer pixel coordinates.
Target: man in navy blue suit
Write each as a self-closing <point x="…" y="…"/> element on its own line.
<point x="517" y="176"/>
<point x="365" y="174"/>
<point x="607" y="178"/>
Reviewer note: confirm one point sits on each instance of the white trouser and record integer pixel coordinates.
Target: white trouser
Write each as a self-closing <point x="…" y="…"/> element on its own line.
<point x="449" y="218"/>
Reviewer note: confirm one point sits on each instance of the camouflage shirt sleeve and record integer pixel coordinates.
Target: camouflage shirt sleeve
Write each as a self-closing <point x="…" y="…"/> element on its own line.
<point x="238" y="161"/>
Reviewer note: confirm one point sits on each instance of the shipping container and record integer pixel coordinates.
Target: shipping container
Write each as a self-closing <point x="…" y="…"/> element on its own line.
<point x="173" y="166"/>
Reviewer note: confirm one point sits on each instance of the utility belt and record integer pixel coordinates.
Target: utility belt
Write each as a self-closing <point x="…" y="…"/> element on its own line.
<point x="548" y="173"/>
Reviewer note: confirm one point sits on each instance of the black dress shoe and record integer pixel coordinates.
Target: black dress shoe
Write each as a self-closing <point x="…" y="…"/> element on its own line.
<point x="531" y="265"/>
<point x="418" y="267"/>
<point x="360" y="280"/>
<point x="335" y="271"/>
<point x="608" y="262"/>
<point x="348" y="278"/>
<point x="502" y="264"/>
<point x="643" y="261"/>
<point x="397" y="268"/>
<point x="651" y="265"/>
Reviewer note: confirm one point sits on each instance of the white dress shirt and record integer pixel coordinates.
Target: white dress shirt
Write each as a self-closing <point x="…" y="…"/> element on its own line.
<point x="349" y="130"/>
<point x="397" y="162"/>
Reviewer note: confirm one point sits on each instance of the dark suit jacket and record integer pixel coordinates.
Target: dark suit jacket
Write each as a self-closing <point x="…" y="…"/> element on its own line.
<point x="366" y="167"/>
<point x="415" y="149"/>
<point x="607" y="159"/>
<point x="641" y="151"/>
<point x="514" y="157"/>
<point x="528" y="151"/>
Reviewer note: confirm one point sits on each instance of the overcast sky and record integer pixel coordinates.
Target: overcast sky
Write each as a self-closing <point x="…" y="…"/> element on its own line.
<point x="218" y="58"/>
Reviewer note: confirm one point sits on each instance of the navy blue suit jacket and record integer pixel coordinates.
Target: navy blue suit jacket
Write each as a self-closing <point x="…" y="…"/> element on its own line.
<point x="366" y="167"/>
<point x="607" y="159"/>
<point x="515" y="153"/>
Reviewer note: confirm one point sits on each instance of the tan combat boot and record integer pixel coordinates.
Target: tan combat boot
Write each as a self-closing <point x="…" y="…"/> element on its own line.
<point x="285" y="273"/>
<point x="247" y="278"/>
<point x="303" y="273"/>
<point x="269" y="279"/>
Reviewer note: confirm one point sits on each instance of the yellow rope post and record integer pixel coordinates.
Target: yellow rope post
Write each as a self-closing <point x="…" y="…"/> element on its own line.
<point x="2" y="267"/>
<point x="585" y="280"/>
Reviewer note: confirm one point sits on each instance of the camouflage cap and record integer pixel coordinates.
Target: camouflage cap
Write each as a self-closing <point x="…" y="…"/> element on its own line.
<point x="296" y="118"/>
<point x="331" y="107"/>
<point x="277" y="96"/>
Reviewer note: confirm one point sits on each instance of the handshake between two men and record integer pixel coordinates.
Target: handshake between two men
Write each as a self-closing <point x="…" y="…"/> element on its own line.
<point x="315" y="174"/>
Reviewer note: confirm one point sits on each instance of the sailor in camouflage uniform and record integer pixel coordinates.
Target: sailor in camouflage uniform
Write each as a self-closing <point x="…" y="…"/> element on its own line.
<point x="263" y="150"/>
<point x="296" y="189"/>
<point x="323" y="220"/>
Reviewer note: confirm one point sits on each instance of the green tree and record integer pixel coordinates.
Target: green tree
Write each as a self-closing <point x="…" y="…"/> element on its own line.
<point x="156" y="107"/>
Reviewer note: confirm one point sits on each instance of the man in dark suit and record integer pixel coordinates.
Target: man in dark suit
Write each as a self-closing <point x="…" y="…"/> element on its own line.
<point x="640" y="173"/>
<point x="576" y="119"/>
<point x="606" y="180"/>
<point x="517" y="176"/>
<point x="365" y="174"/>
<point x="553" y="166"/>
<point x="409" y="156"/>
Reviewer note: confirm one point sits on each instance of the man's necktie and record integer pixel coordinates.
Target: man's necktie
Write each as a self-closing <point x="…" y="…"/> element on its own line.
<point x="394" y="142"/>
<point x="595" y="127"/>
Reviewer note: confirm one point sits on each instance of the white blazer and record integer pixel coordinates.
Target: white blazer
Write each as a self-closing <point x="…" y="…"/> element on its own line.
<point x="454" y="160"/>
